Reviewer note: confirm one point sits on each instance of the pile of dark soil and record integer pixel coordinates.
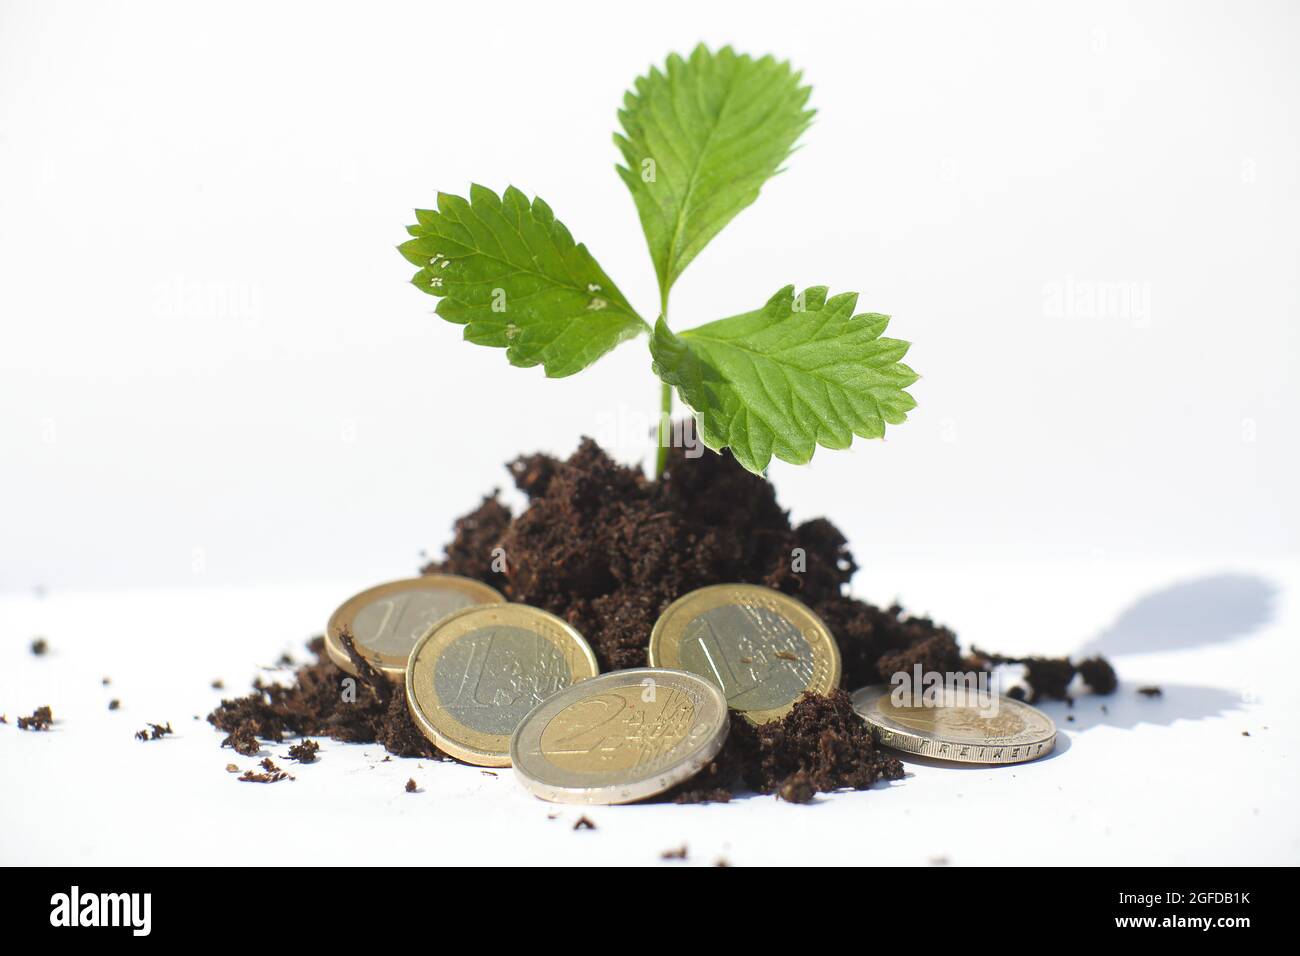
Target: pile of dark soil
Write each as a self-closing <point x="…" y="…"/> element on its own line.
<point x="607" y="550"/>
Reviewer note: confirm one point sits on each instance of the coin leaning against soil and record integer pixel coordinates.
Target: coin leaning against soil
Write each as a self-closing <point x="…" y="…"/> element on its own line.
<point x="620" y="737"/>
<point x="477" y="673"/>
<point x="763" y="648"/>
<point x="965" y="728"/>
<point x="385" y="621"/>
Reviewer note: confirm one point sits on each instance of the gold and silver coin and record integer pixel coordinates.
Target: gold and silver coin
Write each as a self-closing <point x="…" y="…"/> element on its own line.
<point x="476" y="674"/>
<point x="386" y="621"/>
<point x="763" y="648"/>
<point x="963" y="728"/>
<point x="620" y="737"/>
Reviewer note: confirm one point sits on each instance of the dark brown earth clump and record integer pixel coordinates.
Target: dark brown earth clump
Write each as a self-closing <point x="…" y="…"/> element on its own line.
<point x="304" y="752"/>
<point x="154" y="732"/>
<point x="820" y="746"/>
<point x="318" y="703"/>
<point x="1049" y="678"/>
<point x="1098" y="675"/>
<point x="41" y="719"/>
<point x="269" y="773"/>
<point x="607" y="550"/>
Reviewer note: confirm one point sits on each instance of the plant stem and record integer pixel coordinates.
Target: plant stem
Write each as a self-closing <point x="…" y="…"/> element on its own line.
<point x="665" y="428"/>
<point x="665" y="403"/>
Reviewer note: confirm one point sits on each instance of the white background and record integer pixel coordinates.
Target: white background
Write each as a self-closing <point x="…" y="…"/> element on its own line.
<point x="213" y="367"/>
<point x="215" y="379"/>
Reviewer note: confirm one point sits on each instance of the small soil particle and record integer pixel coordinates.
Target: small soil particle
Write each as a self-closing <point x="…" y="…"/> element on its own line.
<point x="1151" y="691"/>
<point x="412" y="786"/>
<point x="41" y="719"/>
<point x="584" y="824"/>
<point x="40" y="647"/>
<point x="232" y="768"/>
<point x="304" y="752"/>
<point x="242" y="741"/>
<point x="218" y="684"/>
<point x="154" y="732"/>
<point x="678" y="854"/>
<point x="1098" y="674"/>
<point x="114" y="704"/>
<point x="270" y="773"/>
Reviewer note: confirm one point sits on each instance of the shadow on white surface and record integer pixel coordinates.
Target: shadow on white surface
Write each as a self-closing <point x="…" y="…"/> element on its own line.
<point x="1192" y="613"/>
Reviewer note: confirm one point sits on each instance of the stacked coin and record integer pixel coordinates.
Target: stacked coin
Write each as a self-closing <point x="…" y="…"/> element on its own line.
<point x="386" y="621"/>
<point x="623" y="736"/>
<point x="963" y="728"/>
<point x="476" y="674"/>
<point x="763" y="648"/>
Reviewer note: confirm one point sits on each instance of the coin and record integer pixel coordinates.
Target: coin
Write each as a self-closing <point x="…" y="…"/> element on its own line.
<point x="386" y="621"/>
<point x="476" y="674"/>
<point x="988" y="729"/>
<point x="762" y="647"/>
<point x="620" y="737"/>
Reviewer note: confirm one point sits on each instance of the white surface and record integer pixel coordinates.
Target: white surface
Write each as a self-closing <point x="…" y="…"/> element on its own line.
<point x="213" y="370"/>
<point x="1153" y="781"/>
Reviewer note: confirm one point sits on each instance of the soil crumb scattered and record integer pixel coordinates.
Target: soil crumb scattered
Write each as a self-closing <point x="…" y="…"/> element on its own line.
<point x="1049" y="678"/>
<point x="677" y="854"/>
<point x="411" y="785"/>
<point x="40" y="647"/>
<point x="154" y="732"/>
<point x="584" y="824"/>
<point x="218" y="684"/>
<point x="270" y="773"/>
<point x="232" y="768"/>
<point x="114" y="704"/>
<point x="242" y="741"/>
<point x="304" y="752"/>
<point x="1098" y="674"/>
<point x="41" y="719"/>
<point x="1151" y="691"/>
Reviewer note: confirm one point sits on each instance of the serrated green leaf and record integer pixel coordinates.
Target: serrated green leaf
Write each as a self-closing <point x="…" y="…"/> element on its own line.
<point x="699" y="140"/>
<point x="802" y="371"/>
<point x="510" y="272"/>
